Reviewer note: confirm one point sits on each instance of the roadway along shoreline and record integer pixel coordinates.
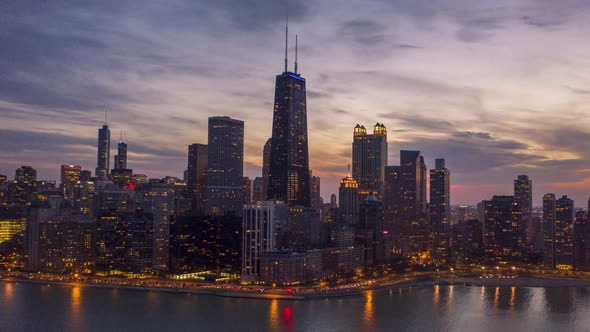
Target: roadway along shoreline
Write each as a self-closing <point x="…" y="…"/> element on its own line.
<point x="310" y="294"/>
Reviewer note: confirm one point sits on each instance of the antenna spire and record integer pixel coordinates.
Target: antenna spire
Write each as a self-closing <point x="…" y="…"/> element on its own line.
<point x="121" y="137"/>
<point x="105" y="118"/>
<point x="286" y="36"/>
<point x="295" y="54"/>
<point x="348" y="174"/>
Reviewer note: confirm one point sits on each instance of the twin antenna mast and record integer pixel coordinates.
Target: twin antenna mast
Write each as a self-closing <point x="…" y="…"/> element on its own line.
<point x="287" y="44"/>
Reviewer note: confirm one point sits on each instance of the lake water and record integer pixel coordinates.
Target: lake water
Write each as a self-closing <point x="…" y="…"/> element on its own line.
<point x="34" y="307"/>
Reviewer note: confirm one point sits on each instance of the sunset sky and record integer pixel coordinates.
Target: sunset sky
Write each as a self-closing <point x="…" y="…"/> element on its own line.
<point x="497" y="88"/>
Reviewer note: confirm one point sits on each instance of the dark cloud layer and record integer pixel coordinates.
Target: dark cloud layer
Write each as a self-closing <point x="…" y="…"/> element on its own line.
<point x="452" y="78"/>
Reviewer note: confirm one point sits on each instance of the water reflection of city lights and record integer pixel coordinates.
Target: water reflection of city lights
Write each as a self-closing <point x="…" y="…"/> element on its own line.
<point x="368" y="313"/>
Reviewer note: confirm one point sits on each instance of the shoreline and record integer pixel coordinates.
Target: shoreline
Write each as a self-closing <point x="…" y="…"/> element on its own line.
<point x="520" y="282"/>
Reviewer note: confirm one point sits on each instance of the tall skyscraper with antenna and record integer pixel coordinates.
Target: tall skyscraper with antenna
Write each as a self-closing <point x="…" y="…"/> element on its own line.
<point x="104" y="151"/>
<point x="289" y="179"/>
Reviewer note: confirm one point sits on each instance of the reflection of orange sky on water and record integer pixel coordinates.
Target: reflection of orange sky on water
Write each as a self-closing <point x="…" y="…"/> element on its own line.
<point x="369" y="313"/>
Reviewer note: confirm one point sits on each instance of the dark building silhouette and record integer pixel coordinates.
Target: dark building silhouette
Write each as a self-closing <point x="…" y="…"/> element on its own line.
<point x="315" y="198"/>
<point x="503" y="232"/>
<point x="523" y="192"/>
<point x="121" y="157"/>
<point x="112" y="207"/>
<point x="70" y="175"/>
<point x="558" y="232"/>
<point x="206" y="243"/>
<point x="258" y="193"/>
<point x="548" y="229"/>
<point x="246" y="190"/>
<point x="348" y="195"/>
<point x="440" y="211"/>
<point x="197" y="175"/>
<point x="564" y="233"/>
<point x="467" y="241"/>
<point x="582" y="242"/>
<point x="104" y="153"/>
<point x="369" y="158"/>
<point x="139" y="242"/>
<point x="369" y="228"/>
<point x="23" y="189"/>
<point x="289" y="160"/>
<point x="265" y="169"/>
<point x="225" y="170"/>
<point x="392" y="203"/>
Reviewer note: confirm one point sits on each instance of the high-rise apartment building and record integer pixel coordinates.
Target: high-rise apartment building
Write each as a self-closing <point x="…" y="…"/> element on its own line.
<point x="440" y="211"/>
<point x="315" y="198"/>
<point x="70" y="175"/>
<point x="24" y="187"/>
<point x="260" y="224"/>
<point x="225" y="170"/>
<point x="502" y="228"/>
<point x="564" y="233"/>
<point x="348" y="194"/>
<point x="548" y="229"/>
<point x="523" y="192"/>
<point x="369" y="158"/>
<point x="558" y="232"/>
<point x="197" y="175"/>
<point x="157" y="199"/>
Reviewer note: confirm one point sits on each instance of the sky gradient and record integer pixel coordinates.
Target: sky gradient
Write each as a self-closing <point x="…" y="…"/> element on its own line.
<point x="497" y="88"/>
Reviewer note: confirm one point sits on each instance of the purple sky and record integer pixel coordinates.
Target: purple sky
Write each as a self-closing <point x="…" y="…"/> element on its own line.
<point x="498" y="88"/>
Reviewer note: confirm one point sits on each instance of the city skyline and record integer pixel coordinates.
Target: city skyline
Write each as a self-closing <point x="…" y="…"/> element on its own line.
<point x="488" y="130"/>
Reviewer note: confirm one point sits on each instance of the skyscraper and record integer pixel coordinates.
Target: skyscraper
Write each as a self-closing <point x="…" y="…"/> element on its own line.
<point x="258" y="192"/>
<point x="548" y="229"/>
<point x="348" y="193"/>
<point x="197" y="175"/>
<point x="121" y="157"/>
<point x="247" y="191"/>
<point x="564" y="233"/>
<point x="104" y="152"/>
<point x="440" y="210"/>
<point x="289" y="160"/>
<point x="225" y="170"/>
<point x="413" y="183"/>
<point x="369" y="158"/>
<point x="523" y="192"/>
<point x="157" y="199"/>
<point x="260" y="224"/>
<point x="266" y="168"/>
<point x="502" y="229"/>
<point x="315" y="198"/>
<point x="22" y="191"/>
<point x="70" y="175"/>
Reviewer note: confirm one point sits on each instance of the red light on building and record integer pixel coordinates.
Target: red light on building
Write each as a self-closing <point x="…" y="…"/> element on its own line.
<point x="131" y="186"/>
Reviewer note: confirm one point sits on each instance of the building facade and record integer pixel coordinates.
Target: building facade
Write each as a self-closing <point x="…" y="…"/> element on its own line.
<point x="440" y="211"/>
<point x="369" y="158"/>
<point x="225" y="170"/>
